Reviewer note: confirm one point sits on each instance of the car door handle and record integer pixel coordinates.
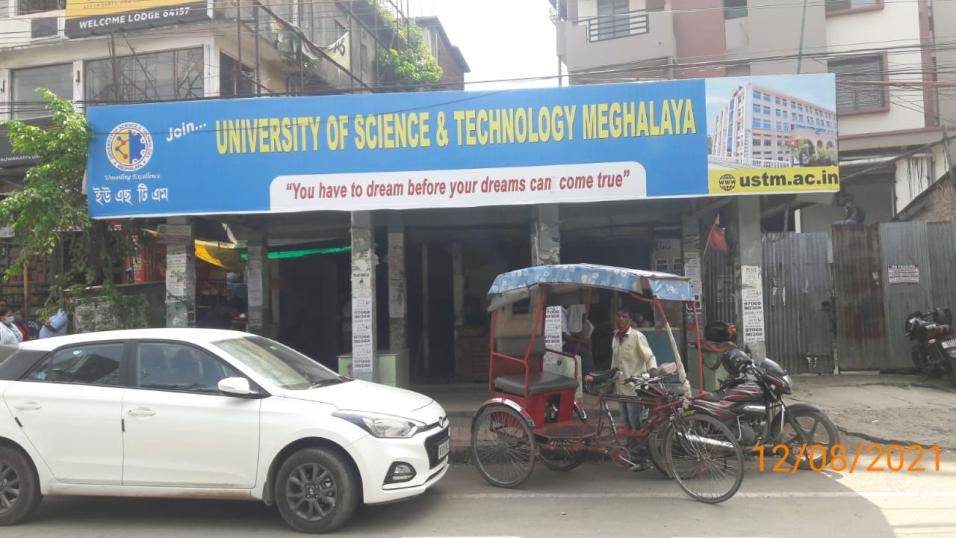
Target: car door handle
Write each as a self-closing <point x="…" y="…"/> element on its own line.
<point x="28" y="406"/>
<point x="141" y="412"/>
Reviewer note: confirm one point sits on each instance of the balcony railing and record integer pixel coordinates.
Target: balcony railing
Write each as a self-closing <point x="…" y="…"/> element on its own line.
<point x="618" y="25"/>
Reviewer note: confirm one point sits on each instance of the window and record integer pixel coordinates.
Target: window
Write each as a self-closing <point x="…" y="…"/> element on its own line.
<point x="364" y="60"/>
<point x="766" y="97"/>
<point x="835" y="6"/>
<point x="157" y="76"/>
<point x="232" y="82"/>
<point x="612" y="20"/>
<point x="852" y="97"/>
<point x="757" y="95"/>
<point x="25" y="7"/>
<point x="281" y="365"/>
<point x="27" y="103"/>
<point x="766" y="110"/>
<point x="168" y="366"/>
<point x="756" y="123"/>
<point x="778" y="112"/>
<point x="95" y="364"/>
<point x="735" y="9"/>
<point x="757" y="108"/>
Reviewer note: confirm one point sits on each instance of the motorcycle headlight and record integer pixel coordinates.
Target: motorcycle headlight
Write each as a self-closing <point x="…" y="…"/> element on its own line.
<point x="386" y="426"/>
<point x="787" y="383"/>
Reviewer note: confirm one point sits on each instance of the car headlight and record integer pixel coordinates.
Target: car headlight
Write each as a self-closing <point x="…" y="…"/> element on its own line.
<point x="379" y="425"/>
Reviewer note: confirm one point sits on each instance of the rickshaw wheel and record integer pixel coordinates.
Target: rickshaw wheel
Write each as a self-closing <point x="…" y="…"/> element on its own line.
<point x="706" y="460"/>
<point x="502" y="446"/>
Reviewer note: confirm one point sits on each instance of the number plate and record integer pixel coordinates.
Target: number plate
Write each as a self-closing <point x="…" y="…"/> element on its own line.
<point x="443" y="448"/>
<point x="949" y="343"/>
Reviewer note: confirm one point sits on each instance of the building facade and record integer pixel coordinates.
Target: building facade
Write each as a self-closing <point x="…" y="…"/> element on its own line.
<point x="893" y="104"/>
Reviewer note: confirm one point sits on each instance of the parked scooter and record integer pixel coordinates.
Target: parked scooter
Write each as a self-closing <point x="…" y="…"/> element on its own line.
<point x="934" y="342"/>
<point x="751" y="404"/>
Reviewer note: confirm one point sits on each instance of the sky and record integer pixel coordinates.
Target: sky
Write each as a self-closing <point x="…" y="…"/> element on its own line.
<point x="500" y="39"/>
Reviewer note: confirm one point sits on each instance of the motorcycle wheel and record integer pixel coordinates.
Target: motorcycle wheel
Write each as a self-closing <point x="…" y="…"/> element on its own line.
<point x="806" y="428"/>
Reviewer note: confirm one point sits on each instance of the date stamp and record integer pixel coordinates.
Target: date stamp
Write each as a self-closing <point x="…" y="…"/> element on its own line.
<point x="865" y="457"/>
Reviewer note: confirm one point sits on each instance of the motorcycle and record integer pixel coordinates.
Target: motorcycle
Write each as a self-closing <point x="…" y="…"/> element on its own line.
<point x="934" y="342"/>
<point x="751" y="404"/>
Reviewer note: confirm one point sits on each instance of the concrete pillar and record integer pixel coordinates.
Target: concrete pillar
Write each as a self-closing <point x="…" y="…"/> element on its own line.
<point x="257" y="287"/>
<point x="458" y="298"/>
<point x="691" y="248"/>
<point x="749" y="283"/>
<point x="545" y="235"/>
<point x="397" y="286"/>
<point x="180" y="274"/>
<point x="363" y="296"/>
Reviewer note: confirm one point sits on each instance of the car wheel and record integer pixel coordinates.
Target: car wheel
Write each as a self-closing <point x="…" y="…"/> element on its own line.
<point x="316" y="490"/>
<point x="19" y="487"/>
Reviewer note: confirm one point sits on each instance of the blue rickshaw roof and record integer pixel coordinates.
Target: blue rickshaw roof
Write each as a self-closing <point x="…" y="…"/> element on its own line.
<point x="664" y="286"/>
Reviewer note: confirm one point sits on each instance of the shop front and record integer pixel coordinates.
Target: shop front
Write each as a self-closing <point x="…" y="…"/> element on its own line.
<point x="371" y="226"/>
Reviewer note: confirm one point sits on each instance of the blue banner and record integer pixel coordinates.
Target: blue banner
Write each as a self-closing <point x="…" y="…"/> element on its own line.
<point x="463" y="149"/>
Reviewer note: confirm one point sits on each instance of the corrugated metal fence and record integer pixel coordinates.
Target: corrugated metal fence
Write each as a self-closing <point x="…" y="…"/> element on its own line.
<point x="797" y="289"/>
<point x="882" y="273"/>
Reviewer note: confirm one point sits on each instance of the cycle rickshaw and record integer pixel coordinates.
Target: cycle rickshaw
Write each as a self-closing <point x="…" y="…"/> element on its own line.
<point x="532" y="414"/>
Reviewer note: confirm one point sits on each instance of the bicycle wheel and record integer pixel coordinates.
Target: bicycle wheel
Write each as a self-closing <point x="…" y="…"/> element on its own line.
<point x="705" y="458"/>
<point x="562" y="456"/>
<point x="502" y="446"/>
<point x="655" y="447"/>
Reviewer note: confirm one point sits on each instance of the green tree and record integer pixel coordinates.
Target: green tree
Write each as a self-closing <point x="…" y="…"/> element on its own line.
<point x="409" y="63"/>
<point x="49" y="214"/>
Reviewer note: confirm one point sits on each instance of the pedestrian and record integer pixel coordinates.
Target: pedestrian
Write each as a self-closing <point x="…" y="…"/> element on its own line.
<point x="56" y="325"/>
<point x="9" y="333"/>
<point x="632" y="356"/>
<point x="576" y="333"/>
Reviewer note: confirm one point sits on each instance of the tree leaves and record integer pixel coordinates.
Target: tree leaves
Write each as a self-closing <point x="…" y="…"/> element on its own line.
<point x="49" y="214"/>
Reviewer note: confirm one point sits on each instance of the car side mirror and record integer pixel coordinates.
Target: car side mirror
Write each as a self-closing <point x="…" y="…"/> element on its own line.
<point x="235" y="386"/>
<point x="667" y="369"/>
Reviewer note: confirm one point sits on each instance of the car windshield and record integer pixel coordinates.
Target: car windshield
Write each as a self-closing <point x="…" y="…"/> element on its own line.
<point x="281" y="365"/>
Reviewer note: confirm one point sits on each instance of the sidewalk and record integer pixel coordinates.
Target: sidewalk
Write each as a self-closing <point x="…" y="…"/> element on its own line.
<point x="903" y="409"/>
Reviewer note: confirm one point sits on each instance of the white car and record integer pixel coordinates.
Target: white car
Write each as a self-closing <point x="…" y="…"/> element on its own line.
<point x="208" y="414"/>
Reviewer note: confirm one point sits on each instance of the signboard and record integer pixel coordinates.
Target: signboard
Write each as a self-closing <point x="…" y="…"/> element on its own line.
<point x="751" y="298"/>
<point x="88" y="17"/>
<point x="903" y="274"/>
<point x="463" y="149"/>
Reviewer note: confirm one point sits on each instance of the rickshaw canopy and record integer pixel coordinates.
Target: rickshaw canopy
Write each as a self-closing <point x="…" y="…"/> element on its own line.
<point x="516" y="285"/>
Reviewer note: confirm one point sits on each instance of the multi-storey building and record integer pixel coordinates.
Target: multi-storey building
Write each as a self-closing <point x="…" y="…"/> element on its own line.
<point x="761" y="127"/>
<point x="272" y="47"/>
<point x="892" y="105"/>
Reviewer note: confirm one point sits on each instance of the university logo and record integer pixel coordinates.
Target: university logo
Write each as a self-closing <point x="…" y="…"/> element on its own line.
<point x="129" y="146"/>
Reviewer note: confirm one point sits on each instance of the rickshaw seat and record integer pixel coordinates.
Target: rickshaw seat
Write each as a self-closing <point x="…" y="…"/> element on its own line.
<point x="538" y="383"/>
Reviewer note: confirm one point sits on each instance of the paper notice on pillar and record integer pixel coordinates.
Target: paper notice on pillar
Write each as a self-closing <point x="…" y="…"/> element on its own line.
<point x="362" y="351"/>
<point x="570" y="183"/>
<point x="751" y="299"/>
<point x="361" y="283"/>
<point x="176" y="272"/>
<point x="553" y="362"/>
<point x="254" y="277"/>
<point x="692" y="271"/>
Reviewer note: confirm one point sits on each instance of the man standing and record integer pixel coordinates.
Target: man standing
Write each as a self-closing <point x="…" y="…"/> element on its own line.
<point x="56" y="325"/>
<point x="632" y="356"/>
